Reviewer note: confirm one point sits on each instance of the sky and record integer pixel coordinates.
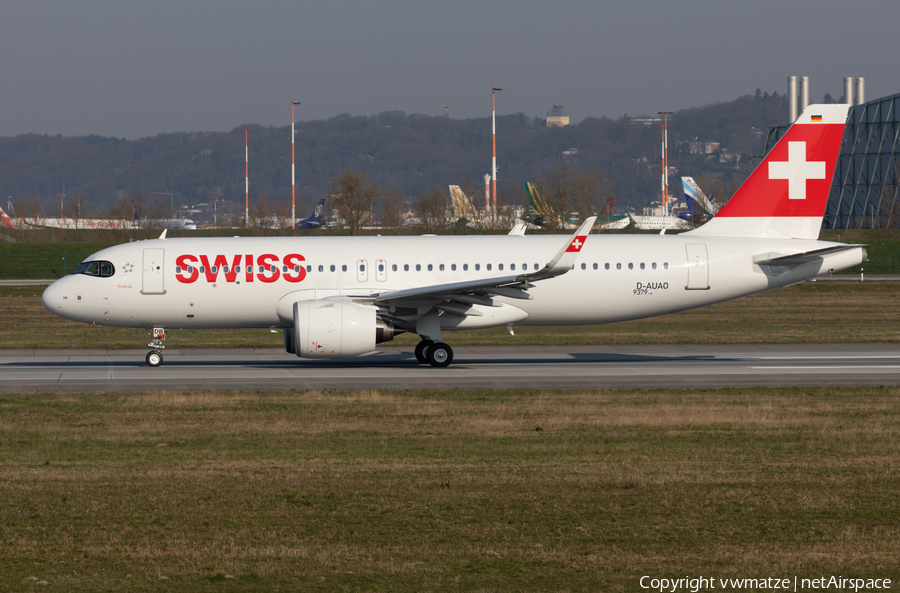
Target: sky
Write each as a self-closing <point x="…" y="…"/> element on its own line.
<point x="133" y="69"/>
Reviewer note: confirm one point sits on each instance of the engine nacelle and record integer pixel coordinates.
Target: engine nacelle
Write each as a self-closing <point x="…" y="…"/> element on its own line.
<point x="332" y="329"/>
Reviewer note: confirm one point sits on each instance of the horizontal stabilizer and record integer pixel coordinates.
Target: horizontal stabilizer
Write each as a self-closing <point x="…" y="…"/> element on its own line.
<point x="796" y="259"/>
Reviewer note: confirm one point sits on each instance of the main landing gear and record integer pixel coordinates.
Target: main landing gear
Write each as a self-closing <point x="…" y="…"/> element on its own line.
<point x="437" y="355"/>
<point x="155" y="357"/>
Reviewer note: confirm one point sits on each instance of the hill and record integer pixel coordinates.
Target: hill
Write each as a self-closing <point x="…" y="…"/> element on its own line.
<point x="408" y="153"/>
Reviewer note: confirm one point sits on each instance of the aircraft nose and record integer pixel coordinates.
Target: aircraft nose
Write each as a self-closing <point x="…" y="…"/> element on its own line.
<point x="53" y="297"/>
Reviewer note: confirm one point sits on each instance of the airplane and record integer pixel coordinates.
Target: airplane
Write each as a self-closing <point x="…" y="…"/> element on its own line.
<point x="64" y="223"/>
<point x="315" y="221"/>
<point x="337" y="297"/>
<point x="655" y="223"/>
<point x="539" y="212"/>
<point x="182" y="224"/>
<point x="699" y="207"/>
<point x="6" y="219"/>
<point x="463" y="210"/>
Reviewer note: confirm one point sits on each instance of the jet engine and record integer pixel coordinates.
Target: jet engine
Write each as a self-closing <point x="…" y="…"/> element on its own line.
<point x="335" y="329"/>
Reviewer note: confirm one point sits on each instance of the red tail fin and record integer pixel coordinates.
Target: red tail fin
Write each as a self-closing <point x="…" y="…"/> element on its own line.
<point x="787" y="193"/>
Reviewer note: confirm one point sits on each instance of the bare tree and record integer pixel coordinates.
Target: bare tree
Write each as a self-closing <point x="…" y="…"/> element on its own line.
<point x="431" y="207"/>
<point x="260" y="215"/>
<point x="391" y="209"/>
<point x="353" y="198"/>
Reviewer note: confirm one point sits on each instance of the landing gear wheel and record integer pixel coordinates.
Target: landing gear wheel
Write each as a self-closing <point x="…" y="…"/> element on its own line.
<point x="154" y="358"/>
<point x="422" y="350"/>
<point x="440" y="355"/>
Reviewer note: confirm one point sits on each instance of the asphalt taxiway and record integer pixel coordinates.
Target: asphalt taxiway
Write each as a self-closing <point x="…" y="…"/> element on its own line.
<point x="496" y="367"/>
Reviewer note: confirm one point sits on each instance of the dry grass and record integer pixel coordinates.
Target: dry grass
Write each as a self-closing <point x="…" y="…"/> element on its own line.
<point x="812" y="312"/>
<point x="445" y="490"/>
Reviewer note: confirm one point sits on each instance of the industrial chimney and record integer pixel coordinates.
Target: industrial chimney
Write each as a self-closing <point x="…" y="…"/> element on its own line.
<point x="792" y="98"/>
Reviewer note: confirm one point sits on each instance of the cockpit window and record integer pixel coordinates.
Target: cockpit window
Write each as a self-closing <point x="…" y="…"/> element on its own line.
<point x="96" y="268"/>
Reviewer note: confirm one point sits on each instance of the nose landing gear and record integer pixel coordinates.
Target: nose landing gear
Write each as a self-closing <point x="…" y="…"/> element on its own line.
<point x="155" y="357"/>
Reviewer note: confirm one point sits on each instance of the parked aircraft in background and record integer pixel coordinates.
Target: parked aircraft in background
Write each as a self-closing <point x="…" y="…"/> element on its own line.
<point x="6" y="219"/>
<point x="656" y="223"/>
<point x="541" y="214"/>
<point x="42" y="222"/>
<point x="315" y="221"/>
<point x="463" y="210"/>
<point x="337" y="297"/>
<point x="699" y="207"/>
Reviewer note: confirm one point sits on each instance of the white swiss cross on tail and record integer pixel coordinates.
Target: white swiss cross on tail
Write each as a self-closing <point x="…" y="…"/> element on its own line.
<point x="575" y="245"/>
<point x="797" y="170"/>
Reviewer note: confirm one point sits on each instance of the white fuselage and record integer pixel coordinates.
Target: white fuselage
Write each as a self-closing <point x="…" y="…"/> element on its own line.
<point x="615" y="278"/>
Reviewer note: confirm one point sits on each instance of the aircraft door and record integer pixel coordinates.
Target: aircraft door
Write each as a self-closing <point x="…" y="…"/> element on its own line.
<point x="154" y="271"/>
<point x="697" y="267"/>
<point x="362" y="270"/>
<point x="380" y="270"/>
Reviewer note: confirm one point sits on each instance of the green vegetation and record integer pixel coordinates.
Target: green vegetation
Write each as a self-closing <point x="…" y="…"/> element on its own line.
<point x="445" y="490"/>
<point x="811" y="312"/>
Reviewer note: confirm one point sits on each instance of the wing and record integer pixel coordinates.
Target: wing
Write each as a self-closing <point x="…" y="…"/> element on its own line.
<point x="458" y="297"/>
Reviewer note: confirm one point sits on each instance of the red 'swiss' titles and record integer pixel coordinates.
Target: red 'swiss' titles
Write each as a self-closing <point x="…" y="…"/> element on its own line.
<point x="188" y="268"/>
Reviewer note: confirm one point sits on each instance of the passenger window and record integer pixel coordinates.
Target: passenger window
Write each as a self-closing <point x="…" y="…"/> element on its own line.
<point x="465" y="267"/>
<point x="418" y="267"/>
<point x="596" y="266"/>
<point x="309" y="269"/>
<point x="584" y="266"/>
<point x="606" y="266"/>
<point x="362" y="267"/>
<point x="653" y="265"/>
<point x="332" y="267"/>
<point x="283" y="270"/>
<point x="488" y="267"/>
<point x="381" y="267"/>
<point x="237" y="269"/>
<point x="642" y="265"/>
<point x="430" y="267"/>
<point x="225" y="269"/>
<point x="177" y="269"/>
<point x="499" y="266"/>
<point x="477" y="267"/>
<point x="618" y="266"/>
<point x="261" y="269"/>
<point x="214" y="269"/>
<point x="512" y="266"/>
<point x="442" y="267"/>
<point x="393" y="267"/>
<point x="406" y="267"/>
<point x="344" y="268"/>
<point x="273" y="269"/>
<point x="202" y="269"/>
<point x="630" y="266"/>
<point x="665" y="265"/>
<point x="296" y="269"/>
<point x="321" y="268"/>
<point x="190" y="269"/>
<point x="536" y="267"/>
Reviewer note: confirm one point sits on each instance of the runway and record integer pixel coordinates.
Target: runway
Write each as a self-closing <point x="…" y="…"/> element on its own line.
<point x="493" y="367"/>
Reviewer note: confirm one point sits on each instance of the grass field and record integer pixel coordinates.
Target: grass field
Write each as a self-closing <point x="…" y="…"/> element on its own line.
<point x="811" y="312"/>
<point x="445" y="490"/>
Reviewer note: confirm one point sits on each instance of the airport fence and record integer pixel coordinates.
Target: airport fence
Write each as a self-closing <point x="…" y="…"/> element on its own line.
<point x="40" y="264"/>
